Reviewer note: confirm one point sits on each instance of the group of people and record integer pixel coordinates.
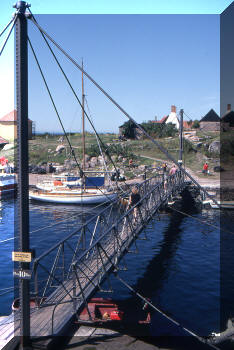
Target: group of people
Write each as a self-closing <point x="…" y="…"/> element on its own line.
<point x="135" y="197"/>
<point x="172" y="170"/>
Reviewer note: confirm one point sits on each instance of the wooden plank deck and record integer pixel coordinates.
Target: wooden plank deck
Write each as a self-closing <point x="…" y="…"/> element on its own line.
<point x="50" y="319"/>
<point x="41" y="320"/>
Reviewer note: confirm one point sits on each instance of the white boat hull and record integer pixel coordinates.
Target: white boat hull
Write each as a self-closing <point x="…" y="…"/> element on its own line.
<point x="74" y="198"/>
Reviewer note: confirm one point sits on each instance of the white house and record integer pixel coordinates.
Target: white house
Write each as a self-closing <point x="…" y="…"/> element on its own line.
<point x="172" y="118"/>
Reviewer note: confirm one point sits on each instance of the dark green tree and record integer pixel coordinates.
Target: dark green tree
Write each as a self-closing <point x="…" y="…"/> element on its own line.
<point x="128" y="129"/>
<point x="196" y="124"/>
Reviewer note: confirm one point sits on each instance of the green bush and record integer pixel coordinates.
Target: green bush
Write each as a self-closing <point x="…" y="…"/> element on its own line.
<point x="121" y="150"/>
<point x="93" y="150"/>
<point x="128" y="129"/>
<point x="196" y="124"/>
<point x="188" y="147"/>
<point x="159" y="130"/>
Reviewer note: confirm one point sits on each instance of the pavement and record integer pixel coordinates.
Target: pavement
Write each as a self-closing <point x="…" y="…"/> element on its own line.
<point x="90" y="338"/>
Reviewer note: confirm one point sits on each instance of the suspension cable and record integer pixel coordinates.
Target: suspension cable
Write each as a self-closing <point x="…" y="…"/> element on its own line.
<point x="3" y="31"/>
<point x="201" y="221"/>
<point x="99" y="140"/>
<point x="162" y="149"/>
<point x="223" y="210"/>
<point x="72" y="150"/>
<point x="61" y="221"/>
<point x="55" y="108"/>
<point x="160" y="311"/>
<point x="77" y="98"/>
<point x="10" y="31"/>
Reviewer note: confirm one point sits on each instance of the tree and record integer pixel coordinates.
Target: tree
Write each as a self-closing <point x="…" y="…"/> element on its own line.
<point x="128" y="129"/>
<point x="159" y="130"/>
<point x="196" y="124"/>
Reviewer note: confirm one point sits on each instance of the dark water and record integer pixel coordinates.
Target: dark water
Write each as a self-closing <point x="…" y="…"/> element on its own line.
<point x="180" y="267"/>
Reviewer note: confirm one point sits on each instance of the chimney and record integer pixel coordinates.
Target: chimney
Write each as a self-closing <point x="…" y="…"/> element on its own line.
<point x="173" y="109"/>
<point x="229" y="107"/>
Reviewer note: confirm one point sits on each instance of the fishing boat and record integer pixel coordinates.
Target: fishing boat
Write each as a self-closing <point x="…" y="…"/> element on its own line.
<point x="69" y="188"/>
<point x="101" y="312"/>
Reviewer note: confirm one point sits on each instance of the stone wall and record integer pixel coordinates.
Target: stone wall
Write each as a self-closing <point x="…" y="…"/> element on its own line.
<point x="210" y="126"/>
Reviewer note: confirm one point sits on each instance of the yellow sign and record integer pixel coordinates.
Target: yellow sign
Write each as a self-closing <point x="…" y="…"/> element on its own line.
<point x="22" y="256"/>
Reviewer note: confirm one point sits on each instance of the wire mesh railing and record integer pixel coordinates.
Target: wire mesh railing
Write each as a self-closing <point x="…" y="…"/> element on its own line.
<point x="78" y="264"/>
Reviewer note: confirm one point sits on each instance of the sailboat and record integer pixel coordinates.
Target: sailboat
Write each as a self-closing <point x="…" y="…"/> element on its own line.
<point x="72" y="189"/>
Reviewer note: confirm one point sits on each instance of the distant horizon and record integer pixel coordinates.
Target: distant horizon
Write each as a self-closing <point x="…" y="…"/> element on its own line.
<point x="71" y="132"/>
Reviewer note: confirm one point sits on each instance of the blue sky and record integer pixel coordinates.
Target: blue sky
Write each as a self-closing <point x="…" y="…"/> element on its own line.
<point x="145" y="62"/>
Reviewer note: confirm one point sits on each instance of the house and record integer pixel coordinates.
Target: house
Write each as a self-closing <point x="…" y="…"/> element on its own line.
<point x="210" y="122"/>
<point x="8" y="126"/>
<point x="227" y="119"/>
<point x="161" y="121"/>
<point x="173" y="118"/>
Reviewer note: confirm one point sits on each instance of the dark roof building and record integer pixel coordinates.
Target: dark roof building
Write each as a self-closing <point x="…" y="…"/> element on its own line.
<point x="211" y="116"/>
<point x="210" y="122"/>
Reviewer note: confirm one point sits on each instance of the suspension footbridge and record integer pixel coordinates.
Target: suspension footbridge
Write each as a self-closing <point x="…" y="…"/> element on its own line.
<point x="67" y="274"/>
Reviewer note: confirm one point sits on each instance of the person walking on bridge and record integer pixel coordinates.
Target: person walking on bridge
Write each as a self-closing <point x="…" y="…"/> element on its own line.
<point x="133" y="200"/>
<point x="172" y="170"/>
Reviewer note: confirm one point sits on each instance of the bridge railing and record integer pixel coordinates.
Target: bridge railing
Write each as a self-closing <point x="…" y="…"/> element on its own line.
<point x="76" y="265"/>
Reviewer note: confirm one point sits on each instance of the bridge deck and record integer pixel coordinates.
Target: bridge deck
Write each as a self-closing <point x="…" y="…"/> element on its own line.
<point x="60" y="307"/>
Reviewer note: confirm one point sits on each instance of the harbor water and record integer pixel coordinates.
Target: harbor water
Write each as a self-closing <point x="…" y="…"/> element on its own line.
<point x="185" y="266"/>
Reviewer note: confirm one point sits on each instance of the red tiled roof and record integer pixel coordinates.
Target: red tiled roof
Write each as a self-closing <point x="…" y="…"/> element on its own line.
<point x="10" y="117"/>
<point x="161" y="120"/>
<point x="3" y="141"/>
<point x="187" y="125"/>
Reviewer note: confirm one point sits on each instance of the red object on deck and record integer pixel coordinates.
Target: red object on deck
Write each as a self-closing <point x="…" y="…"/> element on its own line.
<point x="101" y="311"/>
<point x="116" y="315"/>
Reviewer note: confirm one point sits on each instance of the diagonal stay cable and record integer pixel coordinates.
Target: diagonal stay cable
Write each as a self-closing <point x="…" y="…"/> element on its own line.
<point x="205" y="135"/>
<point x="10" y="31"/>
<point x="191" y="120"/>
<point x="55" y="108"/>
<point x="162" y="149"/>
<point x="52" y="100"/>
<point x="3" y="31"/>
<point x="88" y="211"/>
<point x="106" y="152"/>
<point x="148" y="302"/>
<point x="201" y="221"/>
<point x="77" y="98"/>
